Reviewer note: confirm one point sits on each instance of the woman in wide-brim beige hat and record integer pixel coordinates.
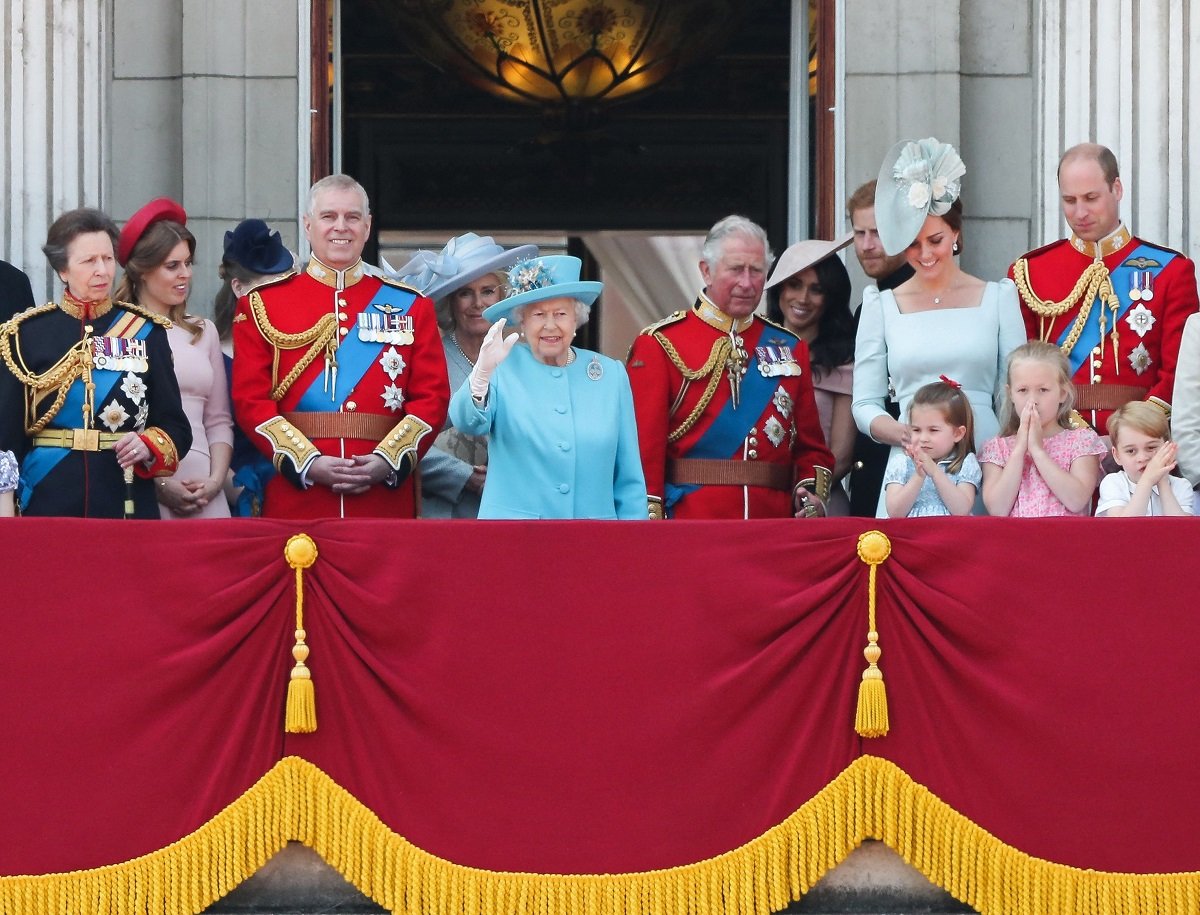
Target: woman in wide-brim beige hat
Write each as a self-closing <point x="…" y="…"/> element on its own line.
<point x="809" y="294"/>
<point x="464" y="278"/>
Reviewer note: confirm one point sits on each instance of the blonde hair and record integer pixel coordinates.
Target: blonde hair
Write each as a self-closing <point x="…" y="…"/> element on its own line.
<point x="1048" y="354"/>
<point x="956" y="409"/>
<point x="1142" y="417"/>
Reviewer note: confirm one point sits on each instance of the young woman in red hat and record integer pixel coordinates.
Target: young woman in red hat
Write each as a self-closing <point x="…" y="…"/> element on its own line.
<point x="156" y="250"/>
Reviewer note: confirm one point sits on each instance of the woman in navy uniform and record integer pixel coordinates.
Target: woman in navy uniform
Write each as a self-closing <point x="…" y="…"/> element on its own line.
<point x="89" y="403"/>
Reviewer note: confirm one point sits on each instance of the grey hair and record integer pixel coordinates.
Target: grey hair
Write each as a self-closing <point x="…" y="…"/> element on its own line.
<point x="71" y="225"/>
<point x="582" y="312"/>
<point x="340" y="183"/>
<point x="714" y="243"/>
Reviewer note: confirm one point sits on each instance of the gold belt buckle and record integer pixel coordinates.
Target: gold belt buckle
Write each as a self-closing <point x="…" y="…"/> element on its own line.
<point x="86" y="440"/>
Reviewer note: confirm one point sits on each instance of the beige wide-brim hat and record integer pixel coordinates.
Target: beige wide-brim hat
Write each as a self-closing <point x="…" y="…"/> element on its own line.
<point x="804" y="254"/>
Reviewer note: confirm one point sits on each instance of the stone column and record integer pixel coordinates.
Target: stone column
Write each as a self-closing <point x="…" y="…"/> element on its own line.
<point x="244" y="123"/>
<point x="901" y="82"/>
<point x="54" y="79"/>
<point x="1125" y="73"/>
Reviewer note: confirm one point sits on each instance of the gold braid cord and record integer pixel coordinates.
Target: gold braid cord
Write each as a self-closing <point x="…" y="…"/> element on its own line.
<point x="1094" y="280"/>
<point x="321" y="336"/>
<point x="58" y="377"/>
<point x="717" y="358"/>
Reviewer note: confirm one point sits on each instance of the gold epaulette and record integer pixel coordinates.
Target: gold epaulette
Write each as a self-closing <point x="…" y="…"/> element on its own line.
<point x="272" y="280"/>
<point x="160" y="320"/>
<point x="673" y="318"/>
<point x="396" y="284"/>
<point x="402" y="441"/>
<point x="11" y="324"/>
<point x="771" y="323"/>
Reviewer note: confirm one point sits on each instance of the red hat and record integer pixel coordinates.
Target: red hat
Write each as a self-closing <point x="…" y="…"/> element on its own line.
<point x="156" y="210"/>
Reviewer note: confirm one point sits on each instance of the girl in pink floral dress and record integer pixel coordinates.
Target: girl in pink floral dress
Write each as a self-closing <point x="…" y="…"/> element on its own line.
<point x="1039" y="466"/>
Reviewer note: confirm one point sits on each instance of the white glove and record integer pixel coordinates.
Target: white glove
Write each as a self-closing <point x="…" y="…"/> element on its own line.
<point x="494" y="350"/>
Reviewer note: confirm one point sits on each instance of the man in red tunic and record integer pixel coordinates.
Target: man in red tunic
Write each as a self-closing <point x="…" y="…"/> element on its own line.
<point x="1115" y="304"/>
<point x="727" y="424"/>
<point x="339" y="375"/>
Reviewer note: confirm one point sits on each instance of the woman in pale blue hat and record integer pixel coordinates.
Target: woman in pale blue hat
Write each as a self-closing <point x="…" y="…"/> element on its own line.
<point x="463" y="279"/>
<point x="563" y="435"/>
<point x="940" y="322"/>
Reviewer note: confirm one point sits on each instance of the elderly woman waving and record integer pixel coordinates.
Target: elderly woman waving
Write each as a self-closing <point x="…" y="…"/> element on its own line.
<point x="563" y="436"/>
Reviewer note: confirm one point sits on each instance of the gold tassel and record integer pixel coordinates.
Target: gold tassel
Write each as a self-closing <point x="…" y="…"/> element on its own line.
<point x="301" y="716"/>
<point x="871" y="717"/>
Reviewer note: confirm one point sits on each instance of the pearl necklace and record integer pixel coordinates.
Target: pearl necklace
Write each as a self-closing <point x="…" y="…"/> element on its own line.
<point x="454" y="340"/>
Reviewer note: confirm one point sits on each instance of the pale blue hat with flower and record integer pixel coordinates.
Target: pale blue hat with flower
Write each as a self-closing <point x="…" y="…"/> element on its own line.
<point x="551" y="277"/>
<point x="918" y="178"/>
<point x="463" y="260"/>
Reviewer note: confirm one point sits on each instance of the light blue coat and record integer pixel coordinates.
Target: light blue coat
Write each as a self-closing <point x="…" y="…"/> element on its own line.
<point x="562" y="444"/>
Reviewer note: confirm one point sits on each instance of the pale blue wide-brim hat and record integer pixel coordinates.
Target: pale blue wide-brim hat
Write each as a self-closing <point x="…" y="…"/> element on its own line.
<point x="551" y="277"/>
<point x="463" y="260"/>
<point x="917" y="178"/>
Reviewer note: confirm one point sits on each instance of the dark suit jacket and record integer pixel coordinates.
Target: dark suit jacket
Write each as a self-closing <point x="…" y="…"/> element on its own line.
<point x="870" y="457"/>
<point x="15" y="292"/>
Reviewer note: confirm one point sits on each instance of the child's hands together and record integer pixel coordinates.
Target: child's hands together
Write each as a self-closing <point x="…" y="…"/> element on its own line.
<point x="925" y="465"/>
<point x="1161" y="464"/>
<point x="1031" y="422"/>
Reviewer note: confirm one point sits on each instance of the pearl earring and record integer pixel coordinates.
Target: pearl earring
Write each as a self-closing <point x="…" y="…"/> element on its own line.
<point x="956" y="247"/>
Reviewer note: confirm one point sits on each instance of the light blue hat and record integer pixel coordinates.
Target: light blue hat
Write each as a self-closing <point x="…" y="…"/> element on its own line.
<point x="918" y="178"/>
<point x="463" y="260"/>
<point x="551" y="277"/>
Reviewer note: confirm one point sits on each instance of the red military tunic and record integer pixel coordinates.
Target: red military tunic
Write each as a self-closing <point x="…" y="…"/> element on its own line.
<point x="725" y="462"/>
<point x="338" y="363"/>
<point x="1155" y="290"/>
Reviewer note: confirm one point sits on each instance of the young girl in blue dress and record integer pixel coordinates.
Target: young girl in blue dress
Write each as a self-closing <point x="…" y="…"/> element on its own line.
<point x="937" y="473"/>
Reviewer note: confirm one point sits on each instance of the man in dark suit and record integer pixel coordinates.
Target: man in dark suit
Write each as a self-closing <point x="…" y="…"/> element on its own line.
<point x="15" y="292"/>
<point x="886" y="272"/>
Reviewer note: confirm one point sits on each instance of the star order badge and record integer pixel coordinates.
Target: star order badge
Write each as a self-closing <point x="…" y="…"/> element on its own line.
<point x="1139" y="358"/>
<point x="1140" y="319"/>
<point x="114" y="415"/>
<point x="773" y="429"/>
<point x="783" y="401"/>
<point x="392" y="362"/>
<point x="393" y="397"/>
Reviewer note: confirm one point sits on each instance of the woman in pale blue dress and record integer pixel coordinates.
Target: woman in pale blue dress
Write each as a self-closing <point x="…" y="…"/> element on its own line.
<point x="942" y="321"/>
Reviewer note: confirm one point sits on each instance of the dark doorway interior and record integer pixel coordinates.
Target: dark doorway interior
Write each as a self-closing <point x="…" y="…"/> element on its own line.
<point x="437" y="154"/>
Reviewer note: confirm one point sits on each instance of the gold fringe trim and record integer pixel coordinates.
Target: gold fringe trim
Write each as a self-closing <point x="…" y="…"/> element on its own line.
<point x="871" y="799"/>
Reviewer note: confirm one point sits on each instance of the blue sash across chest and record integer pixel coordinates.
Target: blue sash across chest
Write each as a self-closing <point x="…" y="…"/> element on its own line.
<point x="1089" y="337"/>
<point x="354" y="355"/>
<point x="728" y="429"/>
<point x="42" y="459"/>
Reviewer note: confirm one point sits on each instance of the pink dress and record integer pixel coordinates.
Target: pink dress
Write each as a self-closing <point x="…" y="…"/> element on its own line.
<point x="826" y="386"/>
<point x="200" y="369"/>
<point x="1034" y="499"/>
